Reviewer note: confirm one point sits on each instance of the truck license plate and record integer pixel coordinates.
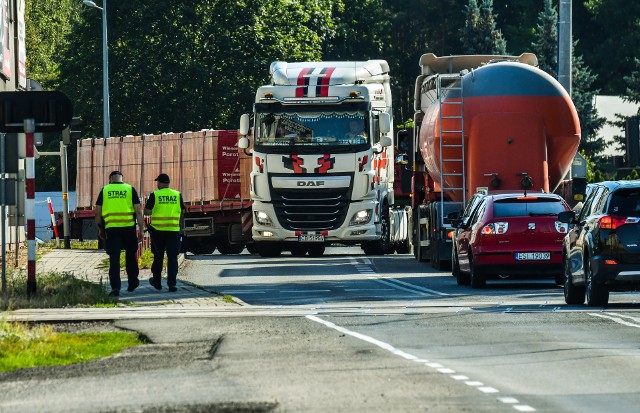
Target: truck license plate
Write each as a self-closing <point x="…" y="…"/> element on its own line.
<point x="533" y="256"/>
<point x="311" y="238"/>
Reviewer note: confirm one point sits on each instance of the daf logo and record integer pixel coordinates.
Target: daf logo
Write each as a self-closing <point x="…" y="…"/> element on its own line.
<point x="310" y="183"/>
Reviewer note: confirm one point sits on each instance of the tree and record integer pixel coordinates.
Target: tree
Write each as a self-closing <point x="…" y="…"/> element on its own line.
<point x="609" y="33"/>
<point x="582" y="96"/>
<point x="545" y="42"/>
<point x="48" y="29"/>
<point x="545" y="46"/>
<point x="480" y="35"/>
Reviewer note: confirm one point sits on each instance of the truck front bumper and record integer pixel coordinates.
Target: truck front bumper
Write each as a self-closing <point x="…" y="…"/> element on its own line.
<point x="345" y="233"/>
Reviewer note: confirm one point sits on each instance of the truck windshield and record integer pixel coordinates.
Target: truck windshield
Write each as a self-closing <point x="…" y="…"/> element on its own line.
<point x="312" y="129"/>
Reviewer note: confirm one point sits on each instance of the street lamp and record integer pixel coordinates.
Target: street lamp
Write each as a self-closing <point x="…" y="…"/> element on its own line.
<point x="105" y="66"/>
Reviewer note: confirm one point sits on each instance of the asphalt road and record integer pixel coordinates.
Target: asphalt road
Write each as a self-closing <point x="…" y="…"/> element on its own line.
<point x="349" y="333"/>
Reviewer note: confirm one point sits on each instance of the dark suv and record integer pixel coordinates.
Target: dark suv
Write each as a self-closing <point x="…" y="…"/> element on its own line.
<point x="601" y="253"/>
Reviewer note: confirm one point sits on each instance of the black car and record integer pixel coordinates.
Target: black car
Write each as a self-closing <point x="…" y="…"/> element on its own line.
<point x="601" y="252"/>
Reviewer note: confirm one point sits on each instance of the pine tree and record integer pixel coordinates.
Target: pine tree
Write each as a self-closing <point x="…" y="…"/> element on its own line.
<point x="633" y="84"/>
<point x="480" y="35"/>
<point x="546" y="38"/>
<point x="582" y="96"/>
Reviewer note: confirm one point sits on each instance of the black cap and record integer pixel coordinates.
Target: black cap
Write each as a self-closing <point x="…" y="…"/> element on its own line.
<point x="115" y="173"/>
<point x="163" y="178"/>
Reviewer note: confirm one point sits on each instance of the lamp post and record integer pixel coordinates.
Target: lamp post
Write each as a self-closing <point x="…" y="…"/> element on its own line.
<point x="105" y="66"/>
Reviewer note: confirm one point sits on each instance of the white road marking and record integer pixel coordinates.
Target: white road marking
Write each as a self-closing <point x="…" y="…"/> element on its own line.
<point x="636" y="319"/>
<point x="474" y="383"/>
<point x="459" y="377"/>
<point x="398" y="287"/>
<point x="416" y="287"/>
<point x="487" y="389"/>
<point x="445" y="370"/>
<point x="434" y="365"/>
<point x="616" y="319"/>
<point x="305" y="291"/>
<point x="368" y="289"/>
<point x="524" y="408"/>
<point x="508" y="400"/>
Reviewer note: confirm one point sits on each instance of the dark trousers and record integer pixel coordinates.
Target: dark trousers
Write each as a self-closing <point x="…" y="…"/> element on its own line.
<point x="119" y="239"/>
<point x="162" y="241"/>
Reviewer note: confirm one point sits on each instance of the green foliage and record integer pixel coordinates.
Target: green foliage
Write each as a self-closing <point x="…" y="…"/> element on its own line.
<point x="25" y="347"/>
<point x="55" y="290"/>
<point x="609" y="33"/>
<point x="582" y="96"/>
<point x="545" y="44"/>
<point x="480" y="35"/>
<point x="633" y="83"/>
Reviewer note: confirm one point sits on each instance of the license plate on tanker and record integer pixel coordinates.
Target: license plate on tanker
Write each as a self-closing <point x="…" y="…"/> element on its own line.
<point x="311" y="238"/>
<point x="533" y="256"/>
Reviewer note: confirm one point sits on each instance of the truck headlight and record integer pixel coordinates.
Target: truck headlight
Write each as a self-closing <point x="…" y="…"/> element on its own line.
<point x="361" y="217"/>
<point x="262" y="218"/>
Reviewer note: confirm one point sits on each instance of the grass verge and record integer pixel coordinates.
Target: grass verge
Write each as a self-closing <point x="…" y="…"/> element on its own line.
<point x="55" y="290"/>
<point x="22" y="346"/>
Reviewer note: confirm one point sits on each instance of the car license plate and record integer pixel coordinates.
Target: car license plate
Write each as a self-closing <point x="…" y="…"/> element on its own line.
<point x="311" y="238"/>
<point x="533" y="256"/>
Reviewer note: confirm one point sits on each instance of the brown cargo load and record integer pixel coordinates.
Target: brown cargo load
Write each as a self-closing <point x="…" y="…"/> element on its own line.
<point x="205" y="166"/>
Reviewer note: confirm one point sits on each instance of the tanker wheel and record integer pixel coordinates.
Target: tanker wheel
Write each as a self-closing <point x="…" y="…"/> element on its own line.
<point x="268" y="249"/>
<point x="316" y="250"/>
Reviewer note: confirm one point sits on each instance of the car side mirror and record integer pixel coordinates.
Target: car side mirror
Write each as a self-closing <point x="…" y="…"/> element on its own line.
<point x="567" y="217"/>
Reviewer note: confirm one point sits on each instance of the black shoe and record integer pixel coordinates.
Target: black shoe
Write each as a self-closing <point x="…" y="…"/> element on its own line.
<point x="173" y="289"/>
<point x="154" y="285"/>
<point x="114" y="293"/>
<point x="132" y="286"/>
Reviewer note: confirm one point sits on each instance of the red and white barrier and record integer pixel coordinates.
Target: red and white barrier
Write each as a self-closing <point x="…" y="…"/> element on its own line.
<point x="53" y="222"/>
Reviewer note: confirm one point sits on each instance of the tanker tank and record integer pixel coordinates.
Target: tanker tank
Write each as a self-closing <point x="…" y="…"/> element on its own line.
<point x="520" y="127"/>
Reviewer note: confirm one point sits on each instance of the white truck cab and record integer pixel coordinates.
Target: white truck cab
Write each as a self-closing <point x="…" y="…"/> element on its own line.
<point x="322" y="157"/>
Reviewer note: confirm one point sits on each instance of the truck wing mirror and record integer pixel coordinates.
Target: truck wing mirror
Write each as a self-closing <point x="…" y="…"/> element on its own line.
<point x="244" y="126"/>
<point x="386" y="141"/>
<point x="385" y="123"/>
<point x="243" y="143"/>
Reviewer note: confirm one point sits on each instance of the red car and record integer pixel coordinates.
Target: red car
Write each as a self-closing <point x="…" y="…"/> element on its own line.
<point x="510" y="234"/>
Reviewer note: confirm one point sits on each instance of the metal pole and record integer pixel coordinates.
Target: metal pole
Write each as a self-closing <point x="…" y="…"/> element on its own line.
<point x="65" y="196"/>
<point x="564" y="45"/>
<point x="3" y="212"/>
<point x="105" y="72"/>
<point x="29" y="129"/>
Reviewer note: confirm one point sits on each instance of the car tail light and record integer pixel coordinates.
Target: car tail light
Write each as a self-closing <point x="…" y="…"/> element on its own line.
<point x="611" y="222"/>
<point x="561" y="227"/>
<point x="610" y="262"/>
<point x="495" y="228"/>
<point x="449" y="234"/>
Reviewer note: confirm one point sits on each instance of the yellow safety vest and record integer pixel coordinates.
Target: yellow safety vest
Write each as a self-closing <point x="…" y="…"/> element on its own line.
<point x="165" y="215"/>
<point x="117" y="206"/>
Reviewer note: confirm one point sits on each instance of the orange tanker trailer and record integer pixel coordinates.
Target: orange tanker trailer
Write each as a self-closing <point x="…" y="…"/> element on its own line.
<point x="484" y="123"/>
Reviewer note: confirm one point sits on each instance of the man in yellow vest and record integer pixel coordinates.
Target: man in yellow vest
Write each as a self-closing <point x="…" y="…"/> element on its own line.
<point x="117" y="211"/>
<point x="166" y="208"/>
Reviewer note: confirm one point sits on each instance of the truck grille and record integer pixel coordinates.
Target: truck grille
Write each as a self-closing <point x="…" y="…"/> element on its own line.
<point x="311" y="209"/>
